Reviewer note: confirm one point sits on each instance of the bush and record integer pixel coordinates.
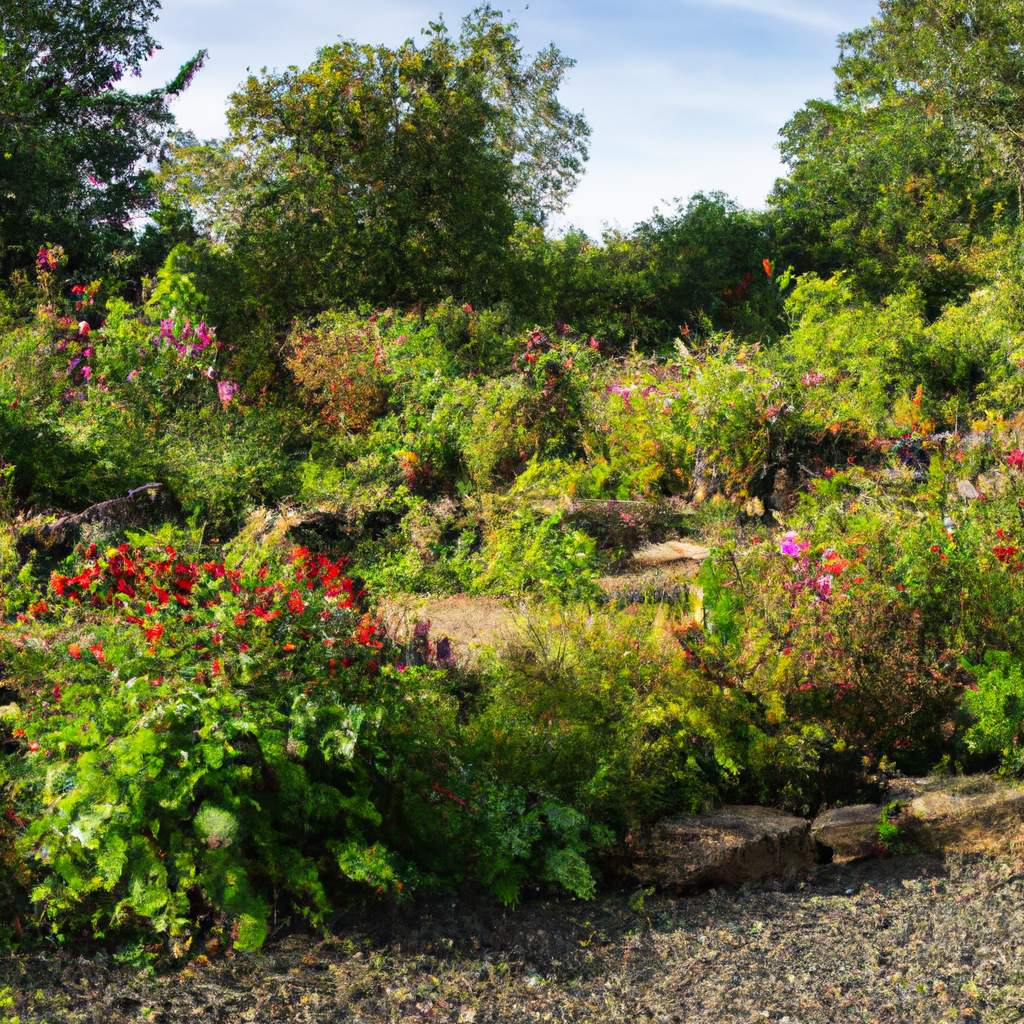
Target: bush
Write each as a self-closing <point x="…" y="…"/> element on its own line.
<point x="202" y="745"/>
<point x="605" y="711"/>
<point x="995" y="705"/>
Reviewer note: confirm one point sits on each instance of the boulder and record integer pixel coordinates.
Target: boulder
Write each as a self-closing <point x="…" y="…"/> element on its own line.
<point x="851" y="833"/>
<point x="729" y="846"/>
<point x="962" y="814"/>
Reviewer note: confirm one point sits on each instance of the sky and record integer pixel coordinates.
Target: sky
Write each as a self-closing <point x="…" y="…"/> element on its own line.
<point x="681" y="95"/>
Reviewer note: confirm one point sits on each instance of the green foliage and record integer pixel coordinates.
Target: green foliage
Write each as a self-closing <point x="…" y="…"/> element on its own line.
<point x="995" y="704"/>
<point x="241" y="738"/>
<point x="72" y="142"/>
<point x="606" y="712"/>
<point x="387" y="175"/>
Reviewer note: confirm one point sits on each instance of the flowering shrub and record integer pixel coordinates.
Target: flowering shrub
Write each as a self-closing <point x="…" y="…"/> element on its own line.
<point x="203" y="745"/>
<point x="338" y="362"/>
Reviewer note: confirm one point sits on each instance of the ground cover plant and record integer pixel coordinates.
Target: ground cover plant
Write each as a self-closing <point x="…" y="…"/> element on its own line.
<point x="210" y="730"/>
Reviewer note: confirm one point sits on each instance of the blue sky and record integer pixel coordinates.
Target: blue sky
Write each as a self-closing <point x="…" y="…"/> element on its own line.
<point x="682" y="95"/>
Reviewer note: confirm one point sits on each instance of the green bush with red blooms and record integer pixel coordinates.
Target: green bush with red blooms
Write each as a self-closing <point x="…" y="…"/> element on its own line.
<point x="204" y="746"/>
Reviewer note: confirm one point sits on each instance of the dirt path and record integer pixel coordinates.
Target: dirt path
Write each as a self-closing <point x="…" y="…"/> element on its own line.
<point x="894" y="942"/>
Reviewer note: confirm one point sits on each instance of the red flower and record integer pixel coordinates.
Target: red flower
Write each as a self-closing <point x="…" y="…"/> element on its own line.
<point x="1016" y="459"/>
<point x="288" y="647"/>
<point x="97" y="651"/>
<point x="154" y="633"/>
<point x="295" y="603"/>
<point x="33" y="746"/>
<point x="768" y="268"/>
<point x="75" y="651"/>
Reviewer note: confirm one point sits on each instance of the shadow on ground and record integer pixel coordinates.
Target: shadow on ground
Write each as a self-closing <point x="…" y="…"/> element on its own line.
<point x="904" y="940"/>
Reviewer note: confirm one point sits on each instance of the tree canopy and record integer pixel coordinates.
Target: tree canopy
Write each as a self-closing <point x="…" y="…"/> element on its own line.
<point x="387" y="175"/>
<point x="74" y="146"/>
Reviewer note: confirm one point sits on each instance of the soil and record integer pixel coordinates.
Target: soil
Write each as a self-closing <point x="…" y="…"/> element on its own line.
<point x="885" y="942"/>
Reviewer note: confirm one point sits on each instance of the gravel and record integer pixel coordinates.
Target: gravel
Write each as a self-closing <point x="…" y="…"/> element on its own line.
<point x="904" y="940"/>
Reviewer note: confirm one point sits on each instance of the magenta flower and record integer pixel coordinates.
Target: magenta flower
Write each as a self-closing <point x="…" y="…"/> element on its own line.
<point x="789" y="545"/>
<point x="1016" y="459"/>
<point x="226" y="390"/>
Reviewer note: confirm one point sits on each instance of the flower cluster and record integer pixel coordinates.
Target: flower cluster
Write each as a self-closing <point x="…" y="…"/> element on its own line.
<point x="218" y="613"/>
<point x="810" y="575"/>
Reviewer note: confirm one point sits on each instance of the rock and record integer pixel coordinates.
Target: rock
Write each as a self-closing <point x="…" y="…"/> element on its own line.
<point x="671" y="551"/>
<point x="851" y="833"/>
<point x="965" y="814"/>
<point x="725" y="847"/>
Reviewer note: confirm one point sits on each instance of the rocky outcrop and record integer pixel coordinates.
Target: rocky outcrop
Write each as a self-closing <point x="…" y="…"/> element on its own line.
<point x="725" y="847"/>
<point x="849" y="833"/>
<point x="967" y="814"/>
<point x="958" y="814"/>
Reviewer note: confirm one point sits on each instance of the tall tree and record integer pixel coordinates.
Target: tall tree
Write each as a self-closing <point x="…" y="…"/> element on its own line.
<point x="73" y="145"/>
<point x="383" y="174"/>
<point x="963" y="59"/>
<point x="902" y="175"/>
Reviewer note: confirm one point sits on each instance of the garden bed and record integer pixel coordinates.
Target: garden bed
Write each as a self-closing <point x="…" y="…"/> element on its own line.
<point x="901" y="940"/>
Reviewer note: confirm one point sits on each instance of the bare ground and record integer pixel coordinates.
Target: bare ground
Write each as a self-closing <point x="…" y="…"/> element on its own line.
<point x="887" y="942"/>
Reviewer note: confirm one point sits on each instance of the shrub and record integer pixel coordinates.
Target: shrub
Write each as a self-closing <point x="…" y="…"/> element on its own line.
<point x="605" y="711"/>
<point x="995" y="705"/>
<point x="338" y="362"/>
<point x="202" y="745"/>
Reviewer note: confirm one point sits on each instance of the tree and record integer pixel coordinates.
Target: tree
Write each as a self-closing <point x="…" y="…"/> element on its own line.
<point x="699" y="263"/>
<point x="959" y="59"/>
<point x="380" y="175"/>
<point x="897" y="178"/>
<point x="885" y="191"/>
<point x="72" y="144"/>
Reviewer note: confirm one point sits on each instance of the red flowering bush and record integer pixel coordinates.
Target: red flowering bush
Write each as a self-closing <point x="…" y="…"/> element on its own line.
<point x="204" y="744"/>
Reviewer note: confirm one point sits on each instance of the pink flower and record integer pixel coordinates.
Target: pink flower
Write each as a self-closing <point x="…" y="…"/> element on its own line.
<point x="93" y="180"/>
<point x="226" y="390"/>
<point x="812" y="379"/>
<point x="594" y="343"/>
<point x="86" y="372"/>
<point x="467" y="308"/>
<point x="1016" y="459"/>
<point x="83" y="328"/>
<point x="789" y="545"/>
<point x="133" y="374"/>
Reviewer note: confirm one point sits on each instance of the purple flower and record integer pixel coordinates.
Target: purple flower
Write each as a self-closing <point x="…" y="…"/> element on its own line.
<point x="789" y="545"/>
<point x="226" y="390"/>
